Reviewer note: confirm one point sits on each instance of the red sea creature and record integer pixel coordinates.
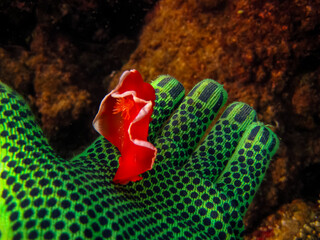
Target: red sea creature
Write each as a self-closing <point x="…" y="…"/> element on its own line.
<point x="123" y="119"/>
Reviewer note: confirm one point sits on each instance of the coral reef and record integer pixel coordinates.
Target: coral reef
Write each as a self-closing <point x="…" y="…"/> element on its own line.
<point x="58" y="53"/>
<point x="59" y="61"/>
<point x="296" y="220"/>
<point x="311" y="230"/>
<point x="265" y="54"/>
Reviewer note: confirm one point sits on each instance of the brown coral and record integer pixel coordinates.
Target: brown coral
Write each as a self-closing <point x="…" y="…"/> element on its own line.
<point x="297" y="220"/>
<point x="67" y="49"/>
<point x="266" y="53"/>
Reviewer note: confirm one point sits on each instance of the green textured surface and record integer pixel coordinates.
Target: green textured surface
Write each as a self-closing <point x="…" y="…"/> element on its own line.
<point x="198" y="192"/>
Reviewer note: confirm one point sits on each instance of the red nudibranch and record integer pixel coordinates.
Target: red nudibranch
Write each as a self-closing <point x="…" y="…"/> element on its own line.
<point x="123" y="119"/>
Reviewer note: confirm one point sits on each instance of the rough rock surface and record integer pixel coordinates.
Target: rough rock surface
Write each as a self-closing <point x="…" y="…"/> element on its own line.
<point x="57" y="53"/>
<point x="267" y="55"/>
<point x="297" y="220"/>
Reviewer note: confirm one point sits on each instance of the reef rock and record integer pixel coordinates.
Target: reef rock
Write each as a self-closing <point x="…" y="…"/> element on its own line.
<point x="266" y="53"/>
<point x="297" y="220"/>
<point x="56" y="53"/>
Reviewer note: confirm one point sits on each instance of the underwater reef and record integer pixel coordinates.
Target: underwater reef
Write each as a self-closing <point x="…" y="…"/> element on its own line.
<point x="56" y="52"/>
<point x="265" y="54"/>
<point x="63" y="57"/>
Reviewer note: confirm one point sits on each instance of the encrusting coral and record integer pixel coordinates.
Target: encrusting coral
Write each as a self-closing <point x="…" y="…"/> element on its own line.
<point x="296" y="220"/>
<point x="56" y="53"/>
<point x="265" y="53"/>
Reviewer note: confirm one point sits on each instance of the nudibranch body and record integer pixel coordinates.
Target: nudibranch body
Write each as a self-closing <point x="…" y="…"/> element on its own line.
<point x="123" y="119"/>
